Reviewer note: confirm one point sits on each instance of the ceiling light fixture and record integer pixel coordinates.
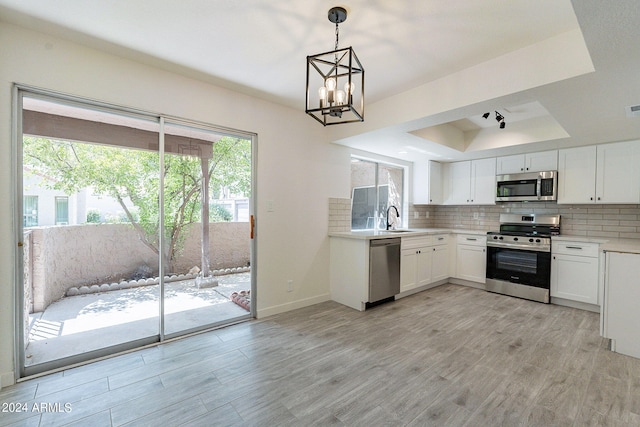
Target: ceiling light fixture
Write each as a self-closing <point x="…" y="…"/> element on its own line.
<point x="335" y="82"/>
<point x="499" y="119"/>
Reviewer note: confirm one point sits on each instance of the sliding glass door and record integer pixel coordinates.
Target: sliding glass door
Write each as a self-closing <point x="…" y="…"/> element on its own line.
<point x="135" y="228"/>
<point x="207" y="188"/>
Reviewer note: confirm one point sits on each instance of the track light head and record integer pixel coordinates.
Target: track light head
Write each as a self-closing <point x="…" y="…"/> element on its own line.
<point x="499" y="117"/>
<point x="485" y="115"/>
<point x="502" y="124"/>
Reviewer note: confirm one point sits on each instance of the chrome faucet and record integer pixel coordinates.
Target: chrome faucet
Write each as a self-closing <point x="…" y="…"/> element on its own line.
<point x="397" y="215"/>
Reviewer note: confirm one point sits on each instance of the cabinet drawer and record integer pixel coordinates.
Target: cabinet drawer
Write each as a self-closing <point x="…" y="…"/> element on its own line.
<point x="472" y="239"/>
<point x="416" y="242"/>
<point x="440" y="239"/>
<point x="575" y="248"/>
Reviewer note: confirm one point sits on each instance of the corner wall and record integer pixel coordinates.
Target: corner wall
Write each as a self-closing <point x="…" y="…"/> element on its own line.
<point x="297" y="169"/>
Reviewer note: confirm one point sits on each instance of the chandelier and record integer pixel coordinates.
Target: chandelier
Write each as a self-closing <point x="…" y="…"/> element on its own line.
<point x="335" y="82"/>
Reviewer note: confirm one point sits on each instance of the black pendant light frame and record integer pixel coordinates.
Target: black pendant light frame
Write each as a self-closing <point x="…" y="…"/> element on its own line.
<point x="344" y="68"/>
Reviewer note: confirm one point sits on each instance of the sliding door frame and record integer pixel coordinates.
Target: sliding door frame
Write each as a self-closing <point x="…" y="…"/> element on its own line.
<point x="19" y="91"/>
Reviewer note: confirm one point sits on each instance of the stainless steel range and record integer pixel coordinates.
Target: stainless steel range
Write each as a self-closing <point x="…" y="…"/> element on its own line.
<point x="519" y="256"/>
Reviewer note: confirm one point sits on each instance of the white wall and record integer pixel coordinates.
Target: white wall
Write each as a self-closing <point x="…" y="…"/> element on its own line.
<point x="298" y="170"/>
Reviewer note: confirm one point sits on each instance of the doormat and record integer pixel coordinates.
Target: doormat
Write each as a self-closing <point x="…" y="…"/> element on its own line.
<point x="243" y="299"/>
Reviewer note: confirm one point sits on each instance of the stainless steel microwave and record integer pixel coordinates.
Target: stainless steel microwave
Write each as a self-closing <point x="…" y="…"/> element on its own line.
<point x="527" y="187"/>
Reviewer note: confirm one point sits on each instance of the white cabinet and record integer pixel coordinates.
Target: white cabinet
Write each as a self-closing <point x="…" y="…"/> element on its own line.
<point x="415" y="262"/>
<point x="424" y="260"/>
<point x="471" y="182"/>
<point x="522" y="163"/>
<point x="440" y="263"/>
<point x="607" y="173"/>
<point x="427" y="183"/>
<point x="574" y="271"/>
<point x="471" y="257"/>
<point x="620" y="314"/>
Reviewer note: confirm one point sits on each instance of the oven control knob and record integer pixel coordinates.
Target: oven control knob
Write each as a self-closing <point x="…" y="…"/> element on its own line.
<point x="537" y="240"/>
<point x="515" y="239"/>
<point x="495" y="237"/>
<point x="531" y="240"/>
<point x="501" y="237"/>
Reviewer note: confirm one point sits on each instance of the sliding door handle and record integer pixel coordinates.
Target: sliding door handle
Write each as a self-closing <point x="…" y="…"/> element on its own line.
<point x="252" y="222"/>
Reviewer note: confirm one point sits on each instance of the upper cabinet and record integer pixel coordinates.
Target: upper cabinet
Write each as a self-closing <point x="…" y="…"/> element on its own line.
<point x="522" y="163"/>
<point x="427" y="183"/>
<point x="470" y="182"/>
<point x="607" y="173"/>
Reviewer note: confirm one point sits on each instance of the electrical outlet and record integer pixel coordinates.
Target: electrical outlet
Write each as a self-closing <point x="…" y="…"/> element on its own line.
<point x="289" y="285"/>
<point x="416" y="215"/>
<point x="476" y="215"/>
<point x="426" y="214"/>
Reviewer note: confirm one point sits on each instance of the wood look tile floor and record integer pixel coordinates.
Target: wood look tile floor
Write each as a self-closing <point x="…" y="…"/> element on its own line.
<point x="449" y="356"/>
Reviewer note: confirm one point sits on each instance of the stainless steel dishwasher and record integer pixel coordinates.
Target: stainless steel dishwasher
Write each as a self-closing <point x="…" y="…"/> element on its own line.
<point x="384" y="269"/>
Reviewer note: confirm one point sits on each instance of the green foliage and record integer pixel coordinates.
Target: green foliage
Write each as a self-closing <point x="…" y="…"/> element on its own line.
<point x="218" y="213"/>
<point x="93" y="216"/>
<point x="123" y="173"/>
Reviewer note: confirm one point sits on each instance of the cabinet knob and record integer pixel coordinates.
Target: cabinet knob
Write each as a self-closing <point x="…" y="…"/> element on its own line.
<point x="521" y="169"/>
<point x="598" y="198"/>
<point x="554" y="257"/>
<point x="590" y="198"/>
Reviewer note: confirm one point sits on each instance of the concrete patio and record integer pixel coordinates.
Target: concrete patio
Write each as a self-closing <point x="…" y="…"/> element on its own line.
<point x="82" y="323"/>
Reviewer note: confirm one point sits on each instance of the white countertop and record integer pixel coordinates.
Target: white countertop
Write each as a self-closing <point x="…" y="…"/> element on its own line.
<point x="412" y="232"/>
<point x="607" y="244"/>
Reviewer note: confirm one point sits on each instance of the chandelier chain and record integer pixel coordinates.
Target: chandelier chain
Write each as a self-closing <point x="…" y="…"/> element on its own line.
<point x="337" y="36"/>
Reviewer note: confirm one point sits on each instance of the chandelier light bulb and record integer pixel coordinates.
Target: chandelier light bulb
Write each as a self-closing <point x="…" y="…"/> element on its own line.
<point x="340" y="97"/>
<point x="349" y="88"/>
<point x="330" y="83"/>
<point x="322" y="93"/>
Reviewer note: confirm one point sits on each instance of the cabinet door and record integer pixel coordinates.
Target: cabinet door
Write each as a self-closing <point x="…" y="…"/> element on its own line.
<point x="618" y="173"/>
<point x="471" y="263"/>
<point x="427" y="183"/>
<point x="622" y="292"/>
<point x="423" y="271"/>
<point x="483" y="182"/>
<point x="408" y="266"/>
<point x="458" y="183"/>
<point x="543" y="161"/>
<point x="577" y="175"/>
<point x="435" y="183"/>
<point x="574" y="278"/>
<point x="440" y="263"/>
<point x="510" y="164"/>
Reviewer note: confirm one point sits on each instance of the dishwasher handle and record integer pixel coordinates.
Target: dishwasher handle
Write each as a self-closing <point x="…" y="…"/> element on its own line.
<point x="385" y="242"/>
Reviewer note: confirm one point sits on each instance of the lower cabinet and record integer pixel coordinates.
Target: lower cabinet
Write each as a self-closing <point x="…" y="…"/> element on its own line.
<point x="471" y="258"/>
<point x="424" y="260"/>
<point x="440" y="263"/>
<point x="574" y="271"/>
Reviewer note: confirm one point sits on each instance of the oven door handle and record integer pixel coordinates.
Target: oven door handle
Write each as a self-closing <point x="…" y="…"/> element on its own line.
<point x="539" y="187"/>
<point x="518" y="246"/>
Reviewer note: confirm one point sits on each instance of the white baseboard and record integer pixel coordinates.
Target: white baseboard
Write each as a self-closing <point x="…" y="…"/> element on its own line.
<point x="422" y="288"/>
<point x="282" y="308"/>
<point x="467" y="283"/>
<point x="7" y="379"/>
<point x="575" y="304"/>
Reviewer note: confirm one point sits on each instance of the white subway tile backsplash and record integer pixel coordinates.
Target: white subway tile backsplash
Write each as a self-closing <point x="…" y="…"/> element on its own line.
<point x="614" y="221"/>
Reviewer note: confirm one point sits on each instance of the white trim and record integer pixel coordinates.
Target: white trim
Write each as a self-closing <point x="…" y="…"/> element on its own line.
<point x="282" y="308"/>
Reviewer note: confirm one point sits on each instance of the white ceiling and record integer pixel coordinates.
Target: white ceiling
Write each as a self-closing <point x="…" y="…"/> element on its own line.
<point x="259" y="47"/>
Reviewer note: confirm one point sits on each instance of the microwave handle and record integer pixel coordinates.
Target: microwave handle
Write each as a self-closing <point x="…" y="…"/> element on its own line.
<point x="539" y="187"/>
